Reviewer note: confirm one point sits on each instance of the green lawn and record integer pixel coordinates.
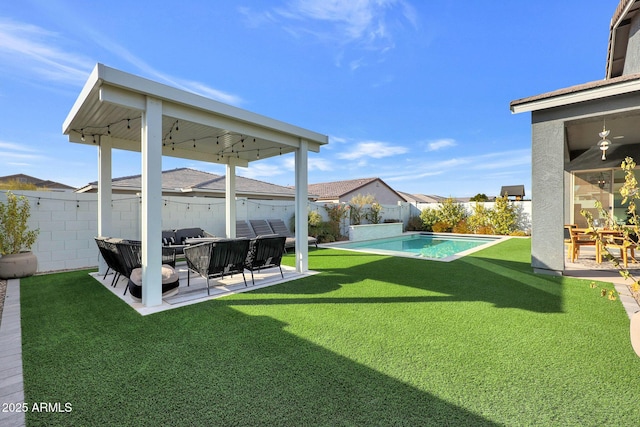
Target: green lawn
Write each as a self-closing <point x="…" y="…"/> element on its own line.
<point x="372" y="340"/>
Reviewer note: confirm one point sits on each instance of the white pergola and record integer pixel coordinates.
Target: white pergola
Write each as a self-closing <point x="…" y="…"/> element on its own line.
<point x="122" y="111"/>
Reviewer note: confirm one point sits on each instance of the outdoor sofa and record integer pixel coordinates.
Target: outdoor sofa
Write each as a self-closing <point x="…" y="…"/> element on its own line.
<point x="182" y="237"/>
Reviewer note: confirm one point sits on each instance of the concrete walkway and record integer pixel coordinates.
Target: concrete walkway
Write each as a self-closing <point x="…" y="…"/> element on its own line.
<point x="11" y="385"/>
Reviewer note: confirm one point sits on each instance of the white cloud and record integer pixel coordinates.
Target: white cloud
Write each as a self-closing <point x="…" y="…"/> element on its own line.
<point x="32" y="50"/>
<point x="374" y="149"/>
<point x="502" y="162"/>
<point x="365" y="24"/>
<point x="262" y="170"/>
<point x="189" y="85"/>
<point x="440" y="144"/>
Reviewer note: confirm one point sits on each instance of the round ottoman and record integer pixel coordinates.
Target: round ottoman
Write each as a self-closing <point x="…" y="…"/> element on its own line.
<point x="170" y="283"/>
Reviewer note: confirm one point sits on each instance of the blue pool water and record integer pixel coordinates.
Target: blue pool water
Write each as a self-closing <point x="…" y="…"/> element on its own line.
<point x="434" y="246"/>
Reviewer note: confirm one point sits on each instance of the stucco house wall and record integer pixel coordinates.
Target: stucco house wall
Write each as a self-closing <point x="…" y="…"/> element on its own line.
<point x="383" y="194"/>
<point x="551" y="170"/>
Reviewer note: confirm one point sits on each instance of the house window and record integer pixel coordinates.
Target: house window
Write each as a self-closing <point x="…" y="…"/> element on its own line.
<point x="598" y="185"/>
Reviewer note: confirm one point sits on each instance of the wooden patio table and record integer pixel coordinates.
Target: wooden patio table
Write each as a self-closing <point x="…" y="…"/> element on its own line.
<point x="602" y="234"/>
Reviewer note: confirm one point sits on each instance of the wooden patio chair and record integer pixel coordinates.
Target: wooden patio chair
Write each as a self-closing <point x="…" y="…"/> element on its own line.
<point x="625" y="246"/>
<point x="578" y="239"/>
<point x="217" y="259"/>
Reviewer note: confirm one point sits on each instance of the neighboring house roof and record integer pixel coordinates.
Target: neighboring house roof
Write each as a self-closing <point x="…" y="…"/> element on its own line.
<point x="422" y="198"/>
<point x="40" y="183"/>
<point x="512" y="190"/>
<point x="187" y="180"/>
<point x="337" y="189"/>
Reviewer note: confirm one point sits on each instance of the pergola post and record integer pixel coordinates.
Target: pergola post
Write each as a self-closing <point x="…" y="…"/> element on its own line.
<point x="151" y="148"/>
<point x="230" y="201"/>
<point x="104" y="194"/>
<point x="302" y="222"/>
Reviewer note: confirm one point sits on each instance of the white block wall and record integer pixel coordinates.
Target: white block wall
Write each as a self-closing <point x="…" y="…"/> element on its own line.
<point x="68" y="222"/>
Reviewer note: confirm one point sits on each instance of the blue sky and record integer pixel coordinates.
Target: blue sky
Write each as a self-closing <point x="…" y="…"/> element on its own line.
<point x="414" y="92"/>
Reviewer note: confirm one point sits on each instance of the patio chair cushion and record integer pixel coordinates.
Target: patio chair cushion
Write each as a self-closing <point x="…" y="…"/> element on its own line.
<point x="170" y="282"/>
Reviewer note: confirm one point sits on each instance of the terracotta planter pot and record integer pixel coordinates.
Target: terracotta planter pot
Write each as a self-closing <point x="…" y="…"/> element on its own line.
<point x="14" y="266"/>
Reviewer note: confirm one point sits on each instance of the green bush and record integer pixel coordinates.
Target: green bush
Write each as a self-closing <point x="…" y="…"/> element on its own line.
<point x="451" y="212"/>
<point x="429" y="216"/>
<point x="374" y="215"/>
<point x="415" y="224"/>
<point x="480" y="218"/>
<point x="337" y="213"/>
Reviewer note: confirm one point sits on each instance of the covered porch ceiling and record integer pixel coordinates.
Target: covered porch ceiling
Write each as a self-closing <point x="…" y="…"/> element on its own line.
<point x="112" y="103"/>
<point x="582" y="134"/>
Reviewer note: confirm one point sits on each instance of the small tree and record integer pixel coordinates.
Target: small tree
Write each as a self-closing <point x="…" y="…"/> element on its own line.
<point x="480" y="197"/>
<point x="480" y="220"/>
<point x="504" y="216"/>
<point x="14" y="233"/>
<point x="451" y="213"/>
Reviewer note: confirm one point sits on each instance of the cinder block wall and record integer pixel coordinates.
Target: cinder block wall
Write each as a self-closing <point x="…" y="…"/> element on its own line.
<point x="68" y="222"/>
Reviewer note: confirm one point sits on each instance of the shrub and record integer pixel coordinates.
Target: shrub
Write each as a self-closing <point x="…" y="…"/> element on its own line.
<point x="451" y="212"/>
<point x="504" y="216"/>
<point x="485" y="229"/>
<point x="324" y="232"/>
<point x="480" y="218"/>
<point x="415" y="224"/>
<point x="337" y="213"/>
<point x="357" y="204"/>
<point x="462" y="227"/>
<point x="375" y="213"/>
<point x="15" y="235"/>
<point x="429" y="216"/>
<point x="518" y="233"/>
<point x="441" y="227"/>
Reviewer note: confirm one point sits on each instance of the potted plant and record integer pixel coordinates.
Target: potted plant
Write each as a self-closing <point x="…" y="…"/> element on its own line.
<point x="16" y="259"/>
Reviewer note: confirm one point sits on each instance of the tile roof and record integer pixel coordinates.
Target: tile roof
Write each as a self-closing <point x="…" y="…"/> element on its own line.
<point x="336" y="189"/>
<point x="40" y="183"/>
<point x="181" y="179"/>
<point x="423" y="198"/>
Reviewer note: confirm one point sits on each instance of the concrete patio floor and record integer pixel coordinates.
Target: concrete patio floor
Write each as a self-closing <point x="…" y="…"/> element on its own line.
<point x="197" y="290"/>
<point x="587" y="268"/>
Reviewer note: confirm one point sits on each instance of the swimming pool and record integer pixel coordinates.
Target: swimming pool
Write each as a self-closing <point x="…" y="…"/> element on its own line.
<point x="441" y="247"/>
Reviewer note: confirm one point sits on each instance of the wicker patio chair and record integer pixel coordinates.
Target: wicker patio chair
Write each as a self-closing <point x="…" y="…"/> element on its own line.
<point x="217" y="259"/>
<point x="265" y="252"/>
<point x="109" y="252"/>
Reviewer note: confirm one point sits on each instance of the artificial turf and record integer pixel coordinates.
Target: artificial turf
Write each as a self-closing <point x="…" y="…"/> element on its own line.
<point x="371" y="340"/>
